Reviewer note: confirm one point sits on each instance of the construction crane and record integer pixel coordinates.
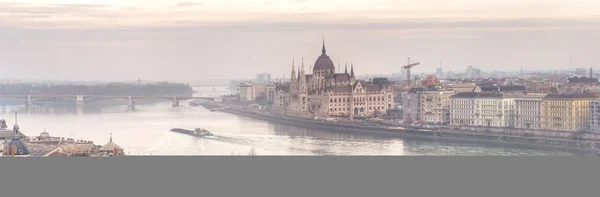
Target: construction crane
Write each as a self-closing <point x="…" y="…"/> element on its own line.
<point x="408" y="108"/>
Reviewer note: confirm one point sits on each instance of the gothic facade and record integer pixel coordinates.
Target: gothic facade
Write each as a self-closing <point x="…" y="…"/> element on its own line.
<point x="327" y="93"/>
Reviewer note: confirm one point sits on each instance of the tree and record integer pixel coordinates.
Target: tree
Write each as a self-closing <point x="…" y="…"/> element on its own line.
<point x="252" y="152"/>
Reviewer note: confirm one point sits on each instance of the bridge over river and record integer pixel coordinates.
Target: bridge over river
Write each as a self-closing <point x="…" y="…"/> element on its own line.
<point x="80" y="99"/>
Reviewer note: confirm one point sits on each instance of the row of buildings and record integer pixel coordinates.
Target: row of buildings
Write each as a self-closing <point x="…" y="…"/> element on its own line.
<point x="253" y="91"/>
<point x="15" y="144"/>
<point x="505" y="106"/>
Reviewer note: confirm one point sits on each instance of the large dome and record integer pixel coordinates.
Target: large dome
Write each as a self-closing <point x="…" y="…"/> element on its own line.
<point x="323" y="62"/>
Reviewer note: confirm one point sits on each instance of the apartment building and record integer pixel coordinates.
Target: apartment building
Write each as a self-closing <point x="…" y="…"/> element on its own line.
<point x="566" y="112"/>
<point x="246" y="92"/>
<point x="482" y="109"/>
<point x="435" y="106"/>
<point x="529" y="111"/>
<point x="494" y="110"/>
<point x="462" y="108"/>
<point x="595" y="116"/>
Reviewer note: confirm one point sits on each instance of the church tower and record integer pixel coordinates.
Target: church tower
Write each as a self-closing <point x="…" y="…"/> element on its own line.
<point x="16" y="147"/>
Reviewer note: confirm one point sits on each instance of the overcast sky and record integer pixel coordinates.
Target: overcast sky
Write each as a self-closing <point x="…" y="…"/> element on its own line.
<point x="188" y="40"/>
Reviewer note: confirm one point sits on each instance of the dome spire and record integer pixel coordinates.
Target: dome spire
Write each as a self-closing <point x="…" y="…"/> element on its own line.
<point x="16" y="127"/>
<point x="323" y="50"/>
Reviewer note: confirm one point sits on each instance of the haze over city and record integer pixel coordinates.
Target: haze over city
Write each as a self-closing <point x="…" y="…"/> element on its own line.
<point x="189" y="40"/>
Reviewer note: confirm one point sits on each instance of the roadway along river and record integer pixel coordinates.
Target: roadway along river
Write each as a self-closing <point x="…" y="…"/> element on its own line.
<point x="145" y="131"/>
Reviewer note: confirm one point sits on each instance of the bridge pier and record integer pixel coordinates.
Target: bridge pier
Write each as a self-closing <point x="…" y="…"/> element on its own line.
<point x="28" y="101"/>
<point x="79" y="109"/>
<point x="131" y="103"/>
<point x="175" y="102"/>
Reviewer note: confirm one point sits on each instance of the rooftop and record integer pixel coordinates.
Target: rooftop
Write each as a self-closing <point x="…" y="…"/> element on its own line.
<point x="509" y="88"/>
<point x="570" y="96"/>
<point x="582" y="80"/>
<point x="465" y="95"/>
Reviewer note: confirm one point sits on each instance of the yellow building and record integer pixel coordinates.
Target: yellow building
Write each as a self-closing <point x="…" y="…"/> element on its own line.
<point x="566" y="112"/>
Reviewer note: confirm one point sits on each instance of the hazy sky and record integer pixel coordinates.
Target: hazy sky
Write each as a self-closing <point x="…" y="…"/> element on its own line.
<point x="187" y="40"/>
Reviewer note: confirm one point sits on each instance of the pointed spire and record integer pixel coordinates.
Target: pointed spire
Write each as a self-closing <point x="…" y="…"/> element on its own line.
<point x="352" y="70"/>
<point x="293" y="75"/>
<point x="323" y="50"/>
<point x="346" y="68"/>
<point x="110" y="137"/>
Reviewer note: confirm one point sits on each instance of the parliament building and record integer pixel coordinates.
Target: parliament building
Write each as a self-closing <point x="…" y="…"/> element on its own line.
<point x="326" y="92"/>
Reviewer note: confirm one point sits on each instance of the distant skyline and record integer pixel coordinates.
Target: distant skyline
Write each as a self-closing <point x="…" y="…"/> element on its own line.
<point x="187" y="40"/>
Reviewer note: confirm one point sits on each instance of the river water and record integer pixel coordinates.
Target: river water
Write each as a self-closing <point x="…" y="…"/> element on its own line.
<point x="145" y="131"/>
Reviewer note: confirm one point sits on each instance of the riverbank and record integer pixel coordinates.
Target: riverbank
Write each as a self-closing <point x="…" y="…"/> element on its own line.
<point x="401" y="132"/>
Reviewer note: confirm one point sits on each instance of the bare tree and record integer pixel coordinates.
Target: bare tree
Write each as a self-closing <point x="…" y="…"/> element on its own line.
<point x="252" y="152"/>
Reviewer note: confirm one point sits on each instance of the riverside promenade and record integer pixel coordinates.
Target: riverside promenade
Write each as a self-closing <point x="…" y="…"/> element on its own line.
<point x="388" y="130"/>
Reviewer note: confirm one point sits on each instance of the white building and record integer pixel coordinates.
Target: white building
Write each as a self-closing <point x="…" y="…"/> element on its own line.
<point x="462" y="108"/>
<point x="494" y="110"/>
<point x="529" y="111"/>
<point x="482" y="109"/>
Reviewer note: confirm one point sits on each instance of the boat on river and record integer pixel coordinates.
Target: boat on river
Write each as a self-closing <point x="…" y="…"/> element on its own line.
<point x="198" y="132"/>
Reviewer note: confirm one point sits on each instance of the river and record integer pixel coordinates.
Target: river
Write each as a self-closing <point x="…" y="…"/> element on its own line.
<point x="145" y="131"/>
